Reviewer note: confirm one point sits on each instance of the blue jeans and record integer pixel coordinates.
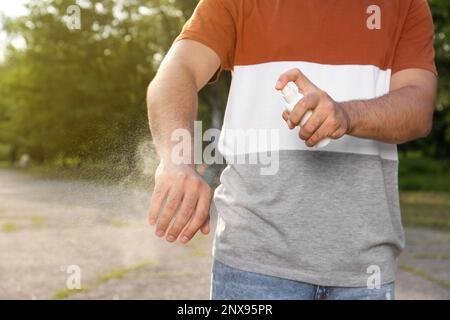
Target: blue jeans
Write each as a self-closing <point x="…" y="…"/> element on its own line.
<point x="233" y="284"/>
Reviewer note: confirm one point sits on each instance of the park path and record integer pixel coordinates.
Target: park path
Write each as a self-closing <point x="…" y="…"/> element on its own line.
<point x="48" y="225"/>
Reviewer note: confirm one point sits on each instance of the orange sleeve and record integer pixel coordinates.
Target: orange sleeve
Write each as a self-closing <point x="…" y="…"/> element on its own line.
<point x="213" y="24"/>
<point x="415" y="48"/>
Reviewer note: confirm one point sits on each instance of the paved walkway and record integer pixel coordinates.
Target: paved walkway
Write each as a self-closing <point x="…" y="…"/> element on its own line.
<point x="48" y="225"/>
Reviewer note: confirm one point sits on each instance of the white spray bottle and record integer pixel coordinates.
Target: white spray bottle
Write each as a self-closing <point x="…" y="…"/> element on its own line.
<point x="291" y="97"/>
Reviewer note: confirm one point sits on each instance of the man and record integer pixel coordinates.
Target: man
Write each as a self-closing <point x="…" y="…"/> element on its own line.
<point x="327" y="225"/>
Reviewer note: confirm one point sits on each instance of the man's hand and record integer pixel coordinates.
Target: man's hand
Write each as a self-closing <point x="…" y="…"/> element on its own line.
<point x="180" y="203"/>
<point x="329" y="119"/>
<point x="181" y="198"/>
<point x="404" y="114"/>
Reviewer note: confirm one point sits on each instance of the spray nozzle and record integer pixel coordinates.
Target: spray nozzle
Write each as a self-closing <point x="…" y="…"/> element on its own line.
<point x="292" y="96"/>
<point x="290" y="93"/>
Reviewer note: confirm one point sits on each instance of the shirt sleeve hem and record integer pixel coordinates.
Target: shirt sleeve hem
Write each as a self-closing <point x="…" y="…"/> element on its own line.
<point x="189" y="35"/>
<point x="427" y="67"/>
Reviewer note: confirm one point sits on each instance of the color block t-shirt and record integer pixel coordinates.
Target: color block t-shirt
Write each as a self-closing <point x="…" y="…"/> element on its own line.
<point x="328" y="216"/>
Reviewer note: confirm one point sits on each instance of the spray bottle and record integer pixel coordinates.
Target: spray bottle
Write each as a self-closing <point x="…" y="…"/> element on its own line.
<point x="291" y="97"/>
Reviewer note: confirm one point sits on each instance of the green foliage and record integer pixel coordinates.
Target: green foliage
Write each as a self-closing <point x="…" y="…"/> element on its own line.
<point x="4" y="151"/>
<point x="79" y="95"/>
<point x="417" y="172"/>
<point x="437" y="144"/>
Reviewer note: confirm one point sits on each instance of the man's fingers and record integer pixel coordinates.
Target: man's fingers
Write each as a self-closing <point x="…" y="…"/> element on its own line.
<point x="309" y="102"/>
<point x="295" y="75"/>
<point x="157" y="199"/>
<point x="183" y="215"/>
<point x="198" y="219"/>
<point x="173" y="200"/>
<point x="312" y="125"/>
<point x="328" y="129"/>
<point x="285" y="116"/>
<point x="205" y="227"/>
<point x="338" y="133"/>
<point x="321" y="133"/>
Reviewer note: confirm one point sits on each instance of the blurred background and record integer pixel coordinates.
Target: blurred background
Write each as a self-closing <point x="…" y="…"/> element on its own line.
<point x="76" y="158"/>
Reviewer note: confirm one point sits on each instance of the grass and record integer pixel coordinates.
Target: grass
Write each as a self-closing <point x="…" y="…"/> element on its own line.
<point x="10" y="227"/>
<point x="37" y="221"/>
<point x="437" y="242"/>
<point x="199" y="252"/>
<point x="122" y="272"/>
<point x="197" y="246"/>
<point x="423" y="274"/>
<point x="116" y="274"/>
<point x="163" y="274"/>
<point x="425" y="182"/>
<point x="426" y="209"/>
<point x="433" y="256"/>
<point x="66" y="293"/>
<point x="119" y="224"/>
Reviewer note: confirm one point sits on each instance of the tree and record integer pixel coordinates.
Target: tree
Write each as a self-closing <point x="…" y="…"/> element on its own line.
<point x="81" y="93"/>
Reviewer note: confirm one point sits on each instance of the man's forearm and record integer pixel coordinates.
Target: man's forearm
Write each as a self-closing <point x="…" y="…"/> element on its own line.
<point x="400" y="116"/>
<point x="181" y="198"/>
<point x="172" y="104"/>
